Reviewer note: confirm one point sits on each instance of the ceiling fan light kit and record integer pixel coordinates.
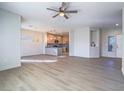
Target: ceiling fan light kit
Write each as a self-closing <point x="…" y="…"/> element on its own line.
<point x="61" y="14"/>
<point x="62" y="11"/>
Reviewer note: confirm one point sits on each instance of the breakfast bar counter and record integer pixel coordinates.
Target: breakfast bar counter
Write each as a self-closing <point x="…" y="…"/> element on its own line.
<point x="53" y="51"/>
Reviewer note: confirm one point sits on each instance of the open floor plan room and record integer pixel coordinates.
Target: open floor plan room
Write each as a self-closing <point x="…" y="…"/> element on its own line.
<point x="65" y="46"/>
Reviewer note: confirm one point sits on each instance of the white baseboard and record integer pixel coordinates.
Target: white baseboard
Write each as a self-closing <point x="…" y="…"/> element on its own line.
<point x="110" y="57"/>
<point x="9" y="66"/>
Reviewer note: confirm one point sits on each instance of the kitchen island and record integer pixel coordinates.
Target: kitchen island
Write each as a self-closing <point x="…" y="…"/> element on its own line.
<point x="57" y="51"/>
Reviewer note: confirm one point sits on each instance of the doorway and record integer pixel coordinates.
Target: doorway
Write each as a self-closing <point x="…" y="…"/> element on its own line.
<point x="57" y="43"/>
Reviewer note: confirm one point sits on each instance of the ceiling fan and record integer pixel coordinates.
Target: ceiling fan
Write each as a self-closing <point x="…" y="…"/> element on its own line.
<point x="62" y="11"/>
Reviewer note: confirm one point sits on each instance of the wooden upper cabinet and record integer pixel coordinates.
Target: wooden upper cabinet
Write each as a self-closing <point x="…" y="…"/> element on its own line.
<point x="62" y="39"/>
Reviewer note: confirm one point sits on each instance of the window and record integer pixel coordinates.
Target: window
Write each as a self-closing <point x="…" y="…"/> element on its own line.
<point x="111" y="43"/>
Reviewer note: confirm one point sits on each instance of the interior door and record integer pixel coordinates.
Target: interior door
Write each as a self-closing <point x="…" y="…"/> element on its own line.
<point x="119" y="46"/>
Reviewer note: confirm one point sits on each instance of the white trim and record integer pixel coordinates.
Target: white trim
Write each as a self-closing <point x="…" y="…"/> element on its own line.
<point x="38" y="61"/>
<point x="9" y="66"/>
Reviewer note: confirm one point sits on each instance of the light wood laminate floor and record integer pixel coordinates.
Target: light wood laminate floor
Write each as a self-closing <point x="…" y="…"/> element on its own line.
<point x="68" y="73"/>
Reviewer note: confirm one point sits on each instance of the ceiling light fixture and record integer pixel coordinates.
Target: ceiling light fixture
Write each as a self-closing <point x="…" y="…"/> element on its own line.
<point x="61" y="14"/>
<point x="117" y="24"/>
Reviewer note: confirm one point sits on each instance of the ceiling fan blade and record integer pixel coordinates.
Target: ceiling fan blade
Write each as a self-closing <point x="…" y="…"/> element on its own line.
<point x="66" y="16"/>
<point x="73" y="11"/>
<point x="52" y="9"/>
<point x="55" y="15"/>
<point x="65" y="9"/>
<point x="63" y="4"/>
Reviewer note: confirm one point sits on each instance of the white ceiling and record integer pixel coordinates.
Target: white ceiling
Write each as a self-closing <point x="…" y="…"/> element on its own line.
<point x="90" y="14"/>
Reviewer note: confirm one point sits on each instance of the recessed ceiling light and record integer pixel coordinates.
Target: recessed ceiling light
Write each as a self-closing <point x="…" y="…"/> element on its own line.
<point x="117" y="24"/>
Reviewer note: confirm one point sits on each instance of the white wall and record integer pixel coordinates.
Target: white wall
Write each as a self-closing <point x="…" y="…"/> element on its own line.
<point x="9" y="40"/>
<point x="123" y="41"/>
<point x="71" y="43"/>
<point x="104" y="40"/>
<point x="80" y="42"/>
<point x="32" y="42"/>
